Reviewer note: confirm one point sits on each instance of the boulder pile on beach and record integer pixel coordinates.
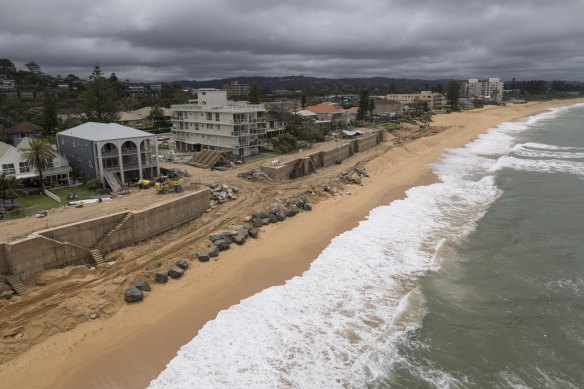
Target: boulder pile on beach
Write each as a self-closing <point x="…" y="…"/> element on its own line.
<point x="222" y="193"/>
<point x="354" y="175"/>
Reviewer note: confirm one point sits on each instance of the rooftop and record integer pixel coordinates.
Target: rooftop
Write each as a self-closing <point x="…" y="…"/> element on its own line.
<point x="323" y="108"/>
<point x="24" y="127"/>
<point x="103" y="131"/>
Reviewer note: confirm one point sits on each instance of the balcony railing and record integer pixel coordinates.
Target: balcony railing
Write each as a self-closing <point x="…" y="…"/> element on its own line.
<point x="248" y="121"/>
<point x="234" y="107"/>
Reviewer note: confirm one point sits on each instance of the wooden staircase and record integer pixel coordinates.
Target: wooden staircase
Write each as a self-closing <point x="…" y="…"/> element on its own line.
<point x="16" y="284"/>
<point x="95" y="250"/>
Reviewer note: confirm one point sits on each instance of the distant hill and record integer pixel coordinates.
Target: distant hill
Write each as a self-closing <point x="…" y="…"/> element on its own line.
<point x="323" y="86"/>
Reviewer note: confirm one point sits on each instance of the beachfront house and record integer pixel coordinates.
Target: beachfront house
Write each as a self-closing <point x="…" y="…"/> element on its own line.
<point x="12" y="163"/>
<point x="212" y="122"/>
<point x="112" y="153"/>
<point x="22" y="130"/>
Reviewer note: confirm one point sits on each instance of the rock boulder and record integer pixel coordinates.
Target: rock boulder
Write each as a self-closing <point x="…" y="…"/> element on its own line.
<point x="133" y="294"/>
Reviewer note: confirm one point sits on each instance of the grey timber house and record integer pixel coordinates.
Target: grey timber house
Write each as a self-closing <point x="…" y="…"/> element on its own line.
<point x="112" y="153"/>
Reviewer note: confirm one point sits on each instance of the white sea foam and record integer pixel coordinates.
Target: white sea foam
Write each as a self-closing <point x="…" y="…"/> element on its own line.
<point x="336" y="325"/>
<point x="541" y="165"/>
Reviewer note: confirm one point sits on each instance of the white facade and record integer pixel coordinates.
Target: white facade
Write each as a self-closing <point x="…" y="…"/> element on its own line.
<point x="211" y="122"/>
<point x="490" y="89"/>
<point x="434" y="99"/>
<point x="12" y="163"/>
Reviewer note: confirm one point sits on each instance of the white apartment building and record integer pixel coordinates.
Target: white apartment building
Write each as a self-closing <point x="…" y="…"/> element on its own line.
<point x="212" y="122"/>
<point x="434" y="99"/>
<point x="490" y="89"/>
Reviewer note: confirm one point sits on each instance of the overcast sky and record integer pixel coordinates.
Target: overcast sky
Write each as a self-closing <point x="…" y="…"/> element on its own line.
<point x="145" y="40"/>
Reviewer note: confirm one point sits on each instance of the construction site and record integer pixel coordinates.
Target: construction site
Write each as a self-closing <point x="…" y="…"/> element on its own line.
<point x="76" y="262"/>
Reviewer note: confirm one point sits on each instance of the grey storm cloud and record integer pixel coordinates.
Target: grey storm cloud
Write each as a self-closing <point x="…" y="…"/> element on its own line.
<point x="202" y="39"/>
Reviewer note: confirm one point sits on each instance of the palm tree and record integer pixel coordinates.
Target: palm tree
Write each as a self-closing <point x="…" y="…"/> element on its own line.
<point x="37" y="155"/>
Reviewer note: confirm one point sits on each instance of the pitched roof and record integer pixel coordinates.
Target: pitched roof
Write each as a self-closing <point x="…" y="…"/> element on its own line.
<point x="24" y="127"/>
<point x="323" y="108"/>
<point x="103" y="131"/>
<point x="305" y="112"/>
<point x="353" y="110"/>
<point x="146" y="111"/>
<point x="4" y="148"/>
<point x="130" y="116"/>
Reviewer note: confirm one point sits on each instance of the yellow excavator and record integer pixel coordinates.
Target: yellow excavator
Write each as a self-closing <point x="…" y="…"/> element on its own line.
<point x="171" y="183"/>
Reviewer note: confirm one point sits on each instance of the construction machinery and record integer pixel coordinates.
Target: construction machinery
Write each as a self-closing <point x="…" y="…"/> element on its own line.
<point x="171" y="183"/>
<point x="146" y="183"/>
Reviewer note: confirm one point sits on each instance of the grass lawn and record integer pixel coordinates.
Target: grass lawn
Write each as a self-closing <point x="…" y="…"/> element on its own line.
<point x="33" y="204"/>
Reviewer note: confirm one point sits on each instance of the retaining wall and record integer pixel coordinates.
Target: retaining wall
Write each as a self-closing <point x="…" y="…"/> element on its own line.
<point x="3" y="263"/>
<point x="328" y="157"/>
<point x="39" y="251"/>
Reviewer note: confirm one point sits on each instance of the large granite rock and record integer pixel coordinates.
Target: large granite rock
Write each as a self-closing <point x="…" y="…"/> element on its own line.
<point x="182" y="263"/>
<point x="222" y="245"/>
<point x="161" y="277"/>
<point x="203" y="256"/>
<point x="292" y="210"/>
<point x="142" y="285"/>
<point x="176" y="272"/>
<point x="214" y="251"/>
<point x="133" y="294"/>
<point x="239" y="239"/>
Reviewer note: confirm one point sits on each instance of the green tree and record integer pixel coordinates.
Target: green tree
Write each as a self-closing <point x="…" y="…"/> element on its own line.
<point x="38" y="155"/>
<point x="392" y="88"/>
<point x="50" y="118"/>
<point x="33" y="67"/>
<point x="285" y="143"/>
<point x="254" y="95"/>
<point x="7" y="66"/>
<point x="99" y="101"/>
<point x="303" y="101"/>
<point x="363" y="104"/>
<point x="453" y="94"/>
<point x="421" y="105"/>
<point x="156" y="115"/>
<point x="304" y="129"/>
<point x="371" y="108"/>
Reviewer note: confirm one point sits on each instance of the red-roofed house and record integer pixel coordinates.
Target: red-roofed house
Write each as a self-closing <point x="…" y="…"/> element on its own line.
<point x="23" y="130"/>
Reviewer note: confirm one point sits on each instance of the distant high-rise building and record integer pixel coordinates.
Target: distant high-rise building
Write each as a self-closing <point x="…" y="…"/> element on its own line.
<point x="490" y="89"/>
<point x="235" y="90"/>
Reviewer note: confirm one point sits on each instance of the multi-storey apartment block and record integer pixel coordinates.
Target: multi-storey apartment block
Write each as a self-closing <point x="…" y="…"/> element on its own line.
<point x="491" y="88"/>
<point x="212" y="122"/>
<point x="434" y="99"/>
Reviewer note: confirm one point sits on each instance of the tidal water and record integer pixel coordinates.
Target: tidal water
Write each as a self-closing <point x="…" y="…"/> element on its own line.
<point x="473" y="282"/>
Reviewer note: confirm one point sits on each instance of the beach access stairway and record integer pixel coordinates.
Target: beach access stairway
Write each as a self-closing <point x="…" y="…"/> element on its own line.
<point x="95" y="250"/>
<point x="206" y="159"/>
<point x="16" y="283"/>
<point x="113" y="181"/>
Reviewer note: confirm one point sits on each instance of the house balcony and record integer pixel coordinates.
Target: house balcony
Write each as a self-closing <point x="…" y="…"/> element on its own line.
<point x="249" y="121"/>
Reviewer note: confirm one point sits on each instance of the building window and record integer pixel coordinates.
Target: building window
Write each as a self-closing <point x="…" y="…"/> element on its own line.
<point x="24" y="167"/>
<point x="90" y="164"/>
<point x="209" y="116"/>
<point x="216" y="116"/>
<point x="8" y="168"/>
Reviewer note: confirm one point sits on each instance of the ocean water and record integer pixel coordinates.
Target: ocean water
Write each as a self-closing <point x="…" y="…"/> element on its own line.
<point x="476" y="281"/>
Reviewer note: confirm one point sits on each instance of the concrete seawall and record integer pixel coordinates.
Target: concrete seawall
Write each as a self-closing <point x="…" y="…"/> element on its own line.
<point x="70" y="244"/>
<point x="324" y="158"/>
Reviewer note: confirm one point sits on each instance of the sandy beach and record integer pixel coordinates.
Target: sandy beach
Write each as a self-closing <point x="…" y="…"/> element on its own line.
<point x="130" y="348"/>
